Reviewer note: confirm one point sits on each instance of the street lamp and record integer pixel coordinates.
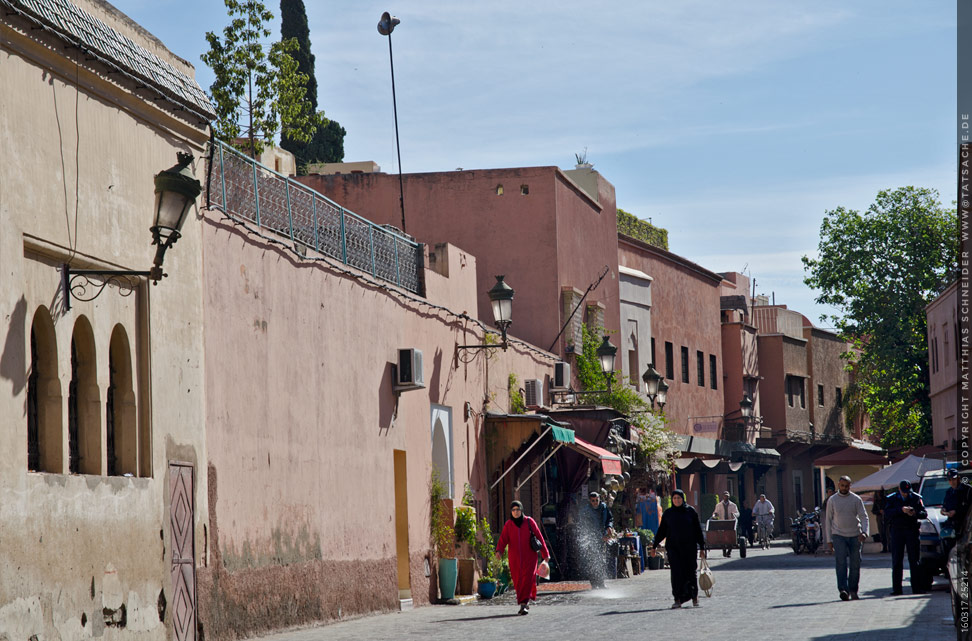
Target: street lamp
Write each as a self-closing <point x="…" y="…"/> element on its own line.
<point x="386" y="25"/>
<point x="606" y="353"/>
<point x="662" y="394"/>
<point x="176" y="190"/>
<point x="651" y="378"/>
<point x="655" y="386"/>
<point x="746" y="406"/>
<point x="501" y="300"/>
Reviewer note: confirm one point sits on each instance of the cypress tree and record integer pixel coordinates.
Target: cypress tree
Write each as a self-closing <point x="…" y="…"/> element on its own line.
<point x="327" y="144"/>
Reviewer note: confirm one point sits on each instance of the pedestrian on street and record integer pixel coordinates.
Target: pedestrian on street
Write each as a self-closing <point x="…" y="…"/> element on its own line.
<point x="955" y="506"/>
<point x="957" y="499"/>
<point x="523" y="558"/>
<point x="880" y="499"/>
<point x="902" y="510"/>
<point x="596" y="527"/>
<point x="746" y="522"/>
<point x="681" y="530"/>
<point x="845" y="529"/>
<point x="726" y="510"/>
<point x="649" y="510"/>
<point x="764" y="514"/>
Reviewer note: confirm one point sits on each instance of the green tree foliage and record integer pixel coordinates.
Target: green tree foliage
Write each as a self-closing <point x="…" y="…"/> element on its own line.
<point x="656" y="443"/>
<point x="880" y="268"/>
<point x="327" y="143"/>
<point x="256" y="92"/>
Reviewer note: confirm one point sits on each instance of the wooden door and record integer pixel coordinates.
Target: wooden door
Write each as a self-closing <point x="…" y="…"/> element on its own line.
<point x="182" y="507"/>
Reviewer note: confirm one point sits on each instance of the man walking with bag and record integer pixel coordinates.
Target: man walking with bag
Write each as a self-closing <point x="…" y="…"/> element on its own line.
<point x="845" y="529"/>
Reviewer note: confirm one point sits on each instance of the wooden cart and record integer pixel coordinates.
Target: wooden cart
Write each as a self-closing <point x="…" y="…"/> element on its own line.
<point x="721" y="534"/>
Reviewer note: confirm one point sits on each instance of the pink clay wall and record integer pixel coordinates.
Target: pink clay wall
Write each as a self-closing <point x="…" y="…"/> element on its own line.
<point x="302" y="423"/>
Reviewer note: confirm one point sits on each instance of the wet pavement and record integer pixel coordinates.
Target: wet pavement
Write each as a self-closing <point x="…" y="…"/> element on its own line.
<point x="772" y="594"/>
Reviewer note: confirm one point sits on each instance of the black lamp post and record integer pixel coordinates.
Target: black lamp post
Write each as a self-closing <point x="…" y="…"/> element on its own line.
<point x="662" y="394"/>
<point x="606" y="353"/>
<point x="651" y="378"/>
<point x="501" y="300"/>
<point x="176" y="190"/>
<point x="655" y="387"/>
<point x="386" y="25"/>
<point x="746" y="406"/>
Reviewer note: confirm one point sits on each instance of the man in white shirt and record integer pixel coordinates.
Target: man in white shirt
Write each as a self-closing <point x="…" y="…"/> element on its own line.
<point x="726" y="510"/>
<point x="764" y="514"/>
<point x="845" y="529"/>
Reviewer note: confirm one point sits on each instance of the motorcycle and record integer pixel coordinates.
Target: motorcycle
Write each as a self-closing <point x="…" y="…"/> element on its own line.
<point x="813" y="530"/>
<point x="798" y="534"/>
<point x="805" y="531"/>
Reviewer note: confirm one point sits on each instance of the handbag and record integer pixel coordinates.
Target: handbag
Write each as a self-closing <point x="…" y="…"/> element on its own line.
<point x="706" y="581"/>
<point x="535" y="544"/>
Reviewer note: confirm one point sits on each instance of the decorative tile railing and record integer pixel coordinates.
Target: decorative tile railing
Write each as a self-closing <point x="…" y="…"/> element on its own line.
<point x="246" y="190"/>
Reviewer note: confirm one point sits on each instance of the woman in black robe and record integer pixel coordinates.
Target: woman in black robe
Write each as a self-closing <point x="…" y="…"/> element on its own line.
<point x="681" y="528"/>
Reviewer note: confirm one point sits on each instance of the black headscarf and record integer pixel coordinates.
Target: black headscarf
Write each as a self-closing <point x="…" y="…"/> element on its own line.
<point x="518" y="521"/>
<point x="678" y="493"/>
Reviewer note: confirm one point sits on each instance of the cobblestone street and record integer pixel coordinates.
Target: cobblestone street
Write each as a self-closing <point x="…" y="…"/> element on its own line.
<point x="772" y="594"/>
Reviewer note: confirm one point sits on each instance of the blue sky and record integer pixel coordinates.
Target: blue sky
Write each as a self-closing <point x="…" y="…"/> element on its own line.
<point x="733" y="125"/>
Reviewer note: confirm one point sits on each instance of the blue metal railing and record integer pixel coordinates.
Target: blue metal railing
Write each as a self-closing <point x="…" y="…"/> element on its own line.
<point x="248" y="191"/>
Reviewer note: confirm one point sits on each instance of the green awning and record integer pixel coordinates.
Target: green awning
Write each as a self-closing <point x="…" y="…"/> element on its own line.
<point x="562" y="434"/>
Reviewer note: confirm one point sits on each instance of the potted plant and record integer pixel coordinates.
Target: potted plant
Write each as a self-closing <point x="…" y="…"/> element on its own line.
<point x="465" y="530"/>
<point x="487" y="582"/>
<point x="492" y="565"/>
<point x="443" y="537"/>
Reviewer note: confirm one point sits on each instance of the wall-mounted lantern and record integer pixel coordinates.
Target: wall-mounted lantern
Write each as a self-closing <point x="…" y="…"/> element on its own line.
<point x="606" y="353"/>
<point x="501" y="300"/>
<point x="176" y="190"/>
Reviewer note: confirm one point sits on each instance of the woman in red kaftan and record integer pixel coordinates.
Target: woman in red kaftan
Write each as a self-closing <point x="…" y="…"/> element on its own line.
<point x="523" y="560"/>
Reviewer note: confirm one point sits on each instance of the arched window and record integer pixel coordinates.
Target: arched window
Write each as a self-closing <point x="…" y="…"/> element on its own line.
<point x="84" y="405"/>
<point x="44" y="440"/>
<point x="121" y="435"/>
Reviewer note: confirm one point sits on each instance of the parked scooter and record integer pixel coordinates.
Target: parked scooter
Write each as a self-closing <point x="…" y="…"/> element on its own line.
<point x="798" y="534"/>
<point x="813" y="530"/>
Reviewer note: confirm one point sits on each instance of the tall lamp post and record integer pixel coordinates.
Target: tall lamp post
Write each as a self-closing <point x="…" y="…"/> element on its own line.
<point x="386" y="25"/>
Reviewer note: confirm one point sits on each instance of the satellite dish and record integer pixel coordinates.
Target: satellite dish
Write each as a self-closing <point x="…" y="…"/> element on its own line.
<point x="387" y="24"/>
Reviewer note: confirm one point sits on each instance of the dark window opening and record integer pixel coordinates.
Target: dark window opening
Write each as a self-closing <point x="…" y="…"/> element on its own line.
<point x="839" y="398"/>
<point x="712" y="372"/>
<point x="33" y="427"/>
<point x="669" y="361"/>
<point x="820" y="399"/>
<point x="110" y="422"/>
<point x="685" y="364"/>
<point x="74" y="447"/>
<point x="700" y="368"/>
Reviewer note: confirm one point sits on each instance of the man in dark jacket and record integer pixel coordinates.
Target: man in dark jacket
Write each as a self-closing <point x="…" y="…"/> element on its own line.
<point x="596" y="527"/>
<point x="958" y="498"/>
<point x="902" y="511"/>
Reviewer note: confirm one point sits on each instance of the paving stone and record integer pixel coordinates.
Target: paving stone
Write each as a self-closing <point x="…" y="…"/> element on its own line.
<point x="771" y="595"/>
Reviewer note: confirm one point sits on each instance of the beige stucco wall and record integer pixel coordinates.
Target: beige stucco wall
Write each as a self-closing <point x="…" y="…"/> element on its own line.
<point x="943" y="380"/>
<point x="81" y="153"/>
<point x="302" y="424"/>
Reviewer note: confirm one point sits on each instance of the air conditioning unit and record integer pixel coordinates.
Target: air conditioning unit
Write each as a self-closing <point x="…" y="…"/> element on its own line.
<point x="561" y="377"/>
<point x="408" y="372"/>
<point x="533" y="388"/>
